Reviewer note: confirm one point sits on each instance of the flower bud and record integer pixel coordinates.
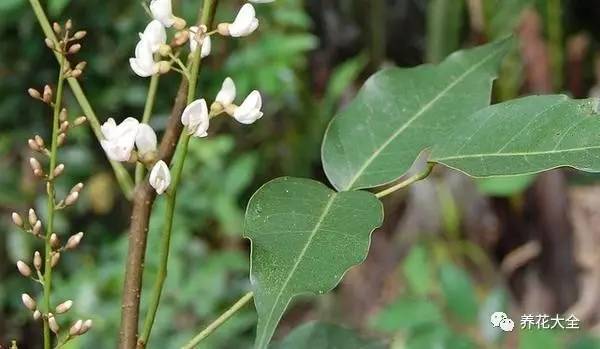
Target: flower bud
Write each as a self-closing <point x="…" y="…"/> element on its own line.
<point x="179" y="23"/>
<point x="74" y="49"/>
<point x="58" y="170"/>
<point x="33" y="145"/>
<point x="69" y="24"/>
<point x="87" y="324"/>
<point x="80" y="120"/>
<point x="61" y="138"/>
<point x="39" y="141"/>
<point x="37" y="228"/>
<point x="33" y="93"/>
<point x="64" y="126"/>
<point x="17" y="220"/>
<point x="74" y="241"/>
<point x="53" y="324"/>
<point x="32" y="217"/>
<point x="164" y="50"/>
<point x="75" y="73"/>
<point x="37" y="315"/>
<point x="64" y="307"/>
<point x="24" y="269"/>
<point x="54" y="241"/>
<point x="181" y="38"/>
<point x="35" y="164"/>
<point x="49" y="43"/>
<point x="47" y="96"/>
<point x="37" y="260"/>
<point x="63" y="115"/>
<point x="28" y="302"/>
<point x="76" y="328"/>
<point x="76" y="188"/>
<point x="223" y="29"/>
<point x="56" y="27"/>
<point x="81" y="65"/>
<point x="54" y="259"/>
<point x="80" y="35"/>
<point x="71" y="198"/>
<point x="164" y="67"/>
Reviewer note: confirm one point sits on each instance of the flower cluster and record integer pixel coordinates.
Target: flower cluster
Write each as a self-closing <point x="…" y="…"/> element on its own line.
<point x="134" y="141"/>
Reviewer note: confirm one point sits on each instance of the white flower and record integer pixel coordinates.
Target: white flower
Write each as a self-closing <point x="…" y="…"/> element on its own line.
<point x="249" y="111"/>
<point x="145" y="140"/>
<point x="163" y="12"/>
<point x="195" y="118"/>
<point x="245" y="22"/>
<point x="143" y="64"/>
<point x="154" y="34"/>
<point x="205" y="42"/>
<point x="119" y="139"/>
<point x="160" y="177"/>
<point x="227" y="93"/>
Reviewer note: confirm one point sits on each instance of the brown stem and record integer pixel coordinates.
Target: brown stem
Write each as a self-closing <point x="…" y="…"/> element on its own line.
<point x="143" y="199"/>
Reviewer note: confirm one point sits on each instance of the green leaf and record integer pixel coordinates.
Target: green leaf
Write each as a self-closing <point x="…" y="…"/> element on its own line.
<point x="418" y="271"/>
<point x="459" y="292"/>
<point x="400" y="112"/>
<point x="407" y="314"/>
<point x="524" y="136"/>
<point x="505" y="185"/>
<point x="304" y="238"/>
<point x="321" y="335"/>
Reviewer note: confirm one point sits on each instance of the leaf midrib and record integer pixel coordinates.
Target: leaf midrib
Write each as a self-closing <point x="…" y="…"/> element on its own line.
<point x="327" y="207"/>
<point x="416" y="116"/>
<point x="545" y="152"/>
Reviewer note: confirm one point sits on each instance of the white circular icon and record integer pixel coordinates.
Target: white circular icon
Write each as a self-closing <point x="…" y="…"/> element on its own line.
<point x="507" y="325"/>
<point x="497" y="317"/>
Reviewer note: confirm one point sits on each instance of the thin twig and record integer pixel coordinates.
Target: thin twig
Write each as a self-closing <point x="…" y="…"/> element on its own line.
<point x="405" y="183"/>
<point x="219" y="321"/>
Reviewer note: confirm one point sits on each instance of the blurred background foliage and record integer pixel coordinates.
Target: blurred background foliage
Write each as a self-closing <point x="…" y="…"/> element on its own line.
<point x="452" y="251"/>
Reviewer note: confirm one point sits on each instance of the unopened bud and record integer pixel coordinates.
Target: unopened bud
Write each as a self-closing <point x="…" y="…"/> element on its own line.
<point x="80" y="35"/>
<point x="54" y="241"/>
<point x="17" y="220"/>
<point x="61" y="138"/>
<point x="223" y="29"/>
<point x="181" y="38"/>
<point x="62" y="116"/>
<point x="75" y="73"/>
<point x="74" y="241"/>
<point x="49" y="43"/>
<point x="76" y="188"/>
<point x="164" y="50"/>
<point x="80" y="120"/>
<point x="64" y="126"/>
<point x="35" y="164"/>
<point x="81" y="65"/>
<point x="74" y="48"/>
<point x="179" y="23"/>
<point x="76" y="328"/>
<point x="56" y="27"/>
<point x="54" y="259"/>
<point x="34" y="93"/>
<point x="37" y="315"/>
<point x="87" y="324"/>
<point x="47" y="96"/>
<point x="69" y="24"/>
<point x="53" y="324"/>
<point x="164" y="67"/>
<point x="39" y="140"/>
<point x="37" y="228"/>
<point x="37" y="260"/>
<point x="64" y="307"/>
<point x="71" y="198"/>
<point x="24" y="269"/>
<point x="28" y="302"/>
<point x="32" y="217"/>
<point x="33" y="145"/>
<point x="58" y="170"/>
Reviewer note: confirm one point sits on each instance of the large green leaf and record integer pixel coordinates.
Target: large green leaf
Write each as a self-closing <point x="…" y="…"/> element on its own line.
<point x="525" y="135"/>
<point x="315" y="335"/>
<point x="400" y="112"/>
<point x="304" y="238"/>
